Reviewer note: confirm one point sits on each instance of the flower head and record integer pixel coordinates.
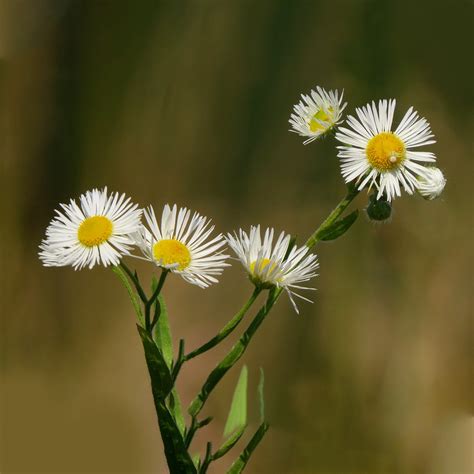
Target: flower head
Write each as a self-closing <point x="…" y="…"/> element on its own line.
<point x="374" y="155"/>
<point x="317" y="113"/>
<point x="277" y="265"/>
<point x="98" y="230"/>
<point x="432" y="184"/>
<point x="179" y="244"/>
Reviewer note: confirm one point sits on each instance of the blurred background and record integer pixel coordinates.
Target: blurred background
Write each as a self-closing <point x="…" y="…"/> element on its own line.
<point x="188" y="102"/>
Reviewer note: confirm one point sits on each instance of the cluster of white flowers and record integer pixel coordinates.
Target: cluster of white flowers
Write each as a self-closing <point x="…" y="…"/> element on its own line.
<point x="103" y="228"/>
<point x="372" y="154"/>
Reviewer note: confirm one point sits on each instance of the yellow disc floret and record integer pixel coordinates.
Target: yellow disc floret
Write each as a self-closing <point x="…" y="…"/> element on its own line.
<point x="261" y="266"/>
<point x="314" y="125"/>
<point x="172" y="252"/>
<point x="385" y="151"/>
<point x="256" y="270"/>
<point x="94" y="231"/>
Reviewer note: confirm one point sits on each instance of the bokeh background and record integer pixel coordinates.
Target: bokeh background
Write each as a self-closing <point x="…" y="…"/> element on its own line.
<point x="188" y="102"/>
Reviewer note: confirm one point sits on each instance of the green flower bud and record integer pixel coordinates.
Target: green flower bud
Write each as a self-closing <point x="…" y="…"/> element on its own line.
<point x="378" y="210"/>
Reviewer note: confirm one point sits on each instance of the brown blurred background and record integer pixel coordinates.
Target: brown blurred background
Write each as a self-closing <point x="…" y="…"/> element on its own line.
<point x="188" y="102"/>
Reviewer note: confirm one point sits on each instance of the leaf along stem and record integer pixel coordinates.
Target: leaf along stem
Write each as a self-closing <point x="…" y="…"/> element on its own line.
<point x="352" y="192"/>
<point x="136" y="282"/>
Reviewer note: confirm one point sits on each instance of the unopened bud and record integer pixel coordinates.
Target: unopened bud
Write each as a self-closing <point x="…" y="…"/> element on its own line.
<point x="378" y="209"/>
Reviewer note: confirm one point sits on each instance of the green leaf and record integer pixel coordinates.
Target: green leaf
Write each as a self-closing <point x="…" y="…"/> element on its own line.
<point x="238" y="466"/>
<point x="238" y="409"/>
<point x="161" y="331"/>
<point x="261" y="399"/>
<point x="161" y="381"/>
<point x="177" y="456"/>
<point x="131" y="293"/>
<point x="177" y="411"/>
<point x="230" y="442"/>
<point x="197" y="460"/>
<point x="339" y="227"/>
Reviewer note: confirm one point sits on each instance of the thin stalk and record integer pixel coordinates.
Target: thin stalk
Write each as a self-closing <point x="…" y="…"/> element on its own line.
<point x="352" y="192"/>
<point x="233" y="355"/>
<point x="155" y="295"/>
<point x="135" y="281"/>
<point x="227" y="329"/>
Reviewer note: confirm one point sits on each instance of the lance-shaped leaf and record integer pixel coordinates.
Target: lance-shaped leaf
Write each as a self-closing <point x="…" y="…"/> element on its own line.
<point x="238" y="466"/>
<point x="131" y="293"/>
<point x="161" y="330"/>
<point x="177" y="410"/>
<point x="339" y="227"/>
<point x="161" y="381"/>
<point x="237" y="417"/>
<point x="229" y="443"/>
<point x="177" y="456"/>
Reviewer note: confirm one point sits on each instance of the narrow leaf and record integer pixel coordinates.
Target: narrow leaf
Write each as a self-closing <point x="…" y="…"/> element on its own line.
<point x="261" y="399"/>
<point x="229" y="443"/>
<point x="238" y="466"/>
<point x="131" y="293"/>
<point x="177" y="411"/>
<point x="177" y="456"/>
<point x="339" y="227"/>
<point x="161" y="381"/>
<point x="197" y="460"/>
<point x="238" y="409"/>
<point x="161" y="331"/>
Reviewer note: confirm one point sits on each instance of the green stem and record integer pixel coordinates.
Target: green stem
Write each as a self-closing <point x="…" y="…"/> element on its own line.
<point x="135" y="281"/>
<point x="155" y="295"/>
<point x="233" y="355"/>
<point x="227" y="329"/>
<point x="243" y="459"/>
<point x="352" y="192"/>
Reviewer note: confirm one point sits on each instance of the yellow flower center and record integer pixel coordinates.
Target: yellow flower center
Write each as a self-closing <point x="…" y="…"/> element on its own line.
<point x="315" y="126"/>
<point x="171" y="252"/>
<point x="94" y="231"/>
<point x="261" y="266"/>
<point x="385" y="151"/>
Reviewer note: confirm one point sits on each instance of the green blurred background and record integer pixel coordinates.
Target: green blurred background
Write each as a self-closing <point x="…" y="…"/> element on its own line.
<point x="188" y="102"/>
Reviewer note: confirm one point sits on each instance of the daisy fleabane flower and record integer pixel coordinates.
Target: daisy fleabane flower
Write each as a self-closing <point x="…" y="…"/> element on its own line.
<point x="269" y="265"/>
<point x="98" y="230"/>
<point x="432" y="184"/>
<point x="317" y="113"/>
<point x="373" y="155"/>
<point x="180" y="244"/>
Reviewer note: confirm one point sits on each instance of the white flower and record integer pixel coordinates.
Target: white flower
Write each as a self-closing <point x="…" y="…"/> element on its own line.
<point x="179" y="244"/>
<point x="269" y="266"/>
<point x="432" y="184"/>
<point x="374" y="155"/>
<point x="317" y="113"/>
<point x="97" y="231"/>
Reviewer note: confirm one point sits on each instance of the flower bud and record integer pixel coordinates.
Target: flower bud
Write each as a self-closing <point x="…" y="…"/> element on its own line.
<point x="432" y="184"/>
<point x="378" y="209"/>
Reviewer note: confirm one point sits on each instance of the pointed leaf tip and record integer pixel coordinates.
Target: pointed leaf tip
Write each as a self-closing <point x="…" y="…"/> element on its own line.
<point x="237" y="417"/>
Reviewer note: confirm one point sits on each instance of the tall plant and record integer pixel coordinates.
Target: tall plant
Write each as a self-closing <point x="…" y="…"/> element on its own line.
<point x="103" y="228"/>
